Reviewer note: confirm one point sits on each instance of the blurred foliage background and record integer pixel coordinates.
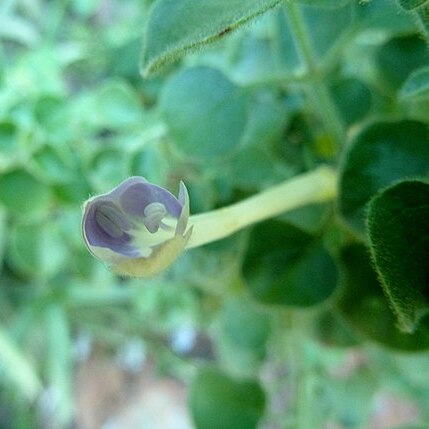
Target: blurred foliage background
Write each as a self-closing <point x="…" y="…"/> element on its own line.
<point x="284" y="325"/>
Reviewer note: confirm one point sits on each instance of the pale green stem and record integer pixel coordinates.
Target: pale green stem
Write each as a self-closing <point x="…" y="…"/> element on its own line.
<point x="316" y="186"/>
<point x="318" y="91"/>
<point x="15" y="365"/>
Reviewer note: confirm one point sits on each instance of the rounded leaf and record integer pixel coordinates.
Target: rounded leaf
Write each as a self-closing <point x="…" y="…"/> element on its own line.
<point x="379" y="155"/>
<point x="398" y="229"/>
<point x="400" y="56"/>
<point x="219" y="402"/>
<point x="364" y="306"/>
<point x="22" y="194"/>
<point x="417" y="84"/>
<point x="37" y="250"/>
<point x="286" y="266"/>
<point x="205" y="112"/>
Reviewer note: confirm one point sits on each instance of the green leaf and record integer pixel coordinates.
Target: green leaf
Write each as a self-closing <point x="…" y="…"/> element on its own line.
<point x="85" y="8"/>
<point x="75" y="191"/>
<point x="219" y="402"/>
<point x="149" y="163"/>
<point x="411" y="4"/>
<point x="383" y="15"/>
<point x="18" y="30"/>
<point x="245" y="324"/>
<point x="333" y="330"/>
<point x="400" y="56"/>
<point x="108" y="168"/>
<point x="205" y="112"/>
<point x="330" y="4"/>
<point x="379" y="155"/>
<point x="117" y="106"/>
<point x="242" y="335"/>
<point x="23" y="195"/>
<point x="266" y="119"/>
<point x="286" y="266"/>
<point x="177" y="27"/>
<point x="353" y="99"/>
<point x="265" y="169"/>
<point x="364" y="307"/>
<point x="399" y="236"/>
<point x="37" y="250"/>
<point x="417" y="84"/>
<point x="255" y="60"/>
<point x="52" y="114"/>
<point x="52" y="165"/>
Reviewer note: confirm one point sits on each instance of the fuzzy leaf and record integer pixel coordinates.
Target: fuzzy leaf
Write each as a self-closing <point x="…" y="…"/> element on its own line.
<point x="329" y="4"/>
<point x="364" y="307"/>
<point x="399" y="236"/>
<point x="411" y="4"/>
<point x="380" y="155"/>
<point x="398" y="57"/>
<point x="177" y="27"/>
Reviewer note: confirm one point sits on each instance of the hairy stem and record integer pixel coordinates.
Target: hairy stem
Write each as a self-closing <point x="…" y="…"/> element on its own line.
<point x="316" y="186"/>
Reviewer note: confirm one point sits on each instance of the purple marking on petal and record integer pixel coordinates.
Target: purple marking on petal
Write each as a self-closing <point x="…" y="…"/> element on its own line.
<point x="138" y="196"/>
<point x="105" y="226"/>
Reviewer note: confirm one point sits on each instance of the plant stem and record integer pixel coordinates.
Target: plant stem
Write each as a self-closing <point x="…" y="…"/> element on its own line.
<point x="319" y="93"/>
<point x="316" y="186"/>
<point x="422" y="14"/>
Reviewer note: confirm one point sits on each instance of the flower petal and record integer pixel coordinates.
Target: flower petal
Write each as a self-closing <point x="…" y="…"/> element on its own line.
<point x="104" y="226"/>
<point x="136" y="197"/>
<point x="138" y="228"/>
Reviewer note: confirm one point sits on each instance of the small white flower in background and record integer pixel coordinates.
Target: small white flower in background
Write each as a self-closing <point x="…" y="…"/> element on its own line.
<point x="138" y="228"/>
<point x="132" y="355"/>
<point x="184" y="339"/>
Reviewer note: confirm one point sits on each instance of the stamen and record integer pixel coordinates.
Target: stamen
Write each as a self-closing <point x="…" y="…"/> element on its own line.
<point x="153" y="215"/>
<point x="109" y="220"/>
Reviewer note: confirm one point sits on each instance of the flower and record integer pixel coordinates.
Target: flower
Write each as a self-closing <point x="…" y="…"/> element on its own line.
<point x="138" y="228"/>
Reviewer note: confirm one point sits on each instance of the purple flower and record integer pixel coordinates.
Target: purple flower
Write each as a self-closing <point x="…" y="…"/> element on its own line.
<point x="138" y="227"/>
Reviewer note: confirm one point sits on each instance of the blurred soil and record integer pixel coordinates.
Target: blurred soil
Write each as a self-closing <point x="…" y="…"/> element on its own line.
<point x="109" y="397"/>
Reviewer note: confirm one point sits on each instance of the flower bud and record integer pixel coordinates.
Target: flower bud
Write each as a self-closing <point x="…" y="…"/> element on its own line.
<point x="138" y="228"/>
